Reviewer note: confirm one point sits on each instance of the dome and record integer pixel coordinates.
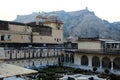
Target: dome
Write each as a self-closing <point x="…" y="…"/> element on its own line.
<point x="38" y="16"/>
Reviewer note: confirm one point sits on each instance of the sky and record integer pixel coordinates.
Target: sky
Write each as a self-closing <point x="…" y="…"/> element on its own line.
<point x="105" y="9"/>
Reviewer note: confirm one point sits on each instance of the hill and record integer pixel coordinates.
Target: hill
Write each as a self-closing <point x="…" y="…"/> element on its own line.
<point x="80" y="24"/>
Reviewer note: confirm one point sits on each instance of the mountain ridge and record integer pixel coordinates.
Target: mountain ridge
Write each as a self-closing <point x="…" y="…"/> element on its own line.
<point x="80" y="24"/>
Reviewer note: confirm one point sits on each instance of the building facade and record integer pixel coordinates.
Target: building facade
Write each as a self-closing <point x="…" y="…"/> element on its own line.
<point x="32" y="44"/>
<point x="100" y="53"/>
<point x="40" y="43"/>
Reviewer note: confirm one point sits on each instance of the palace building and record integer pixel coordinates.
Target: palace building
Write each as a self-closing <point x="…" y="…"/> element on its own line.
<point x="40" y="43"/>
<point x="94" y="52"/>
<point x="33" y="44"/>
<point x="8" y="70"/>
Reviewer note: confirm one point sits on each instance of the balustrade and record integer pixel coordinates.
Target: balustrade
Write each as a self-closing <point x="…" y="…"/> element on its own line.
<point x="12" y="54"/>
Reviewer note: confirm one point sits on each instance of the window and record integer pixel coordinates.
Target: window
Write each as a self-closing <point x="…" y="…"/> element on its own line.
<point x="84" y="60"/>
<point x="47" y="31"/>
<point x="9" y="37"/>
<point x="58" y="26"/>
<point x="2" y="37"/>
<point x="57" y="40"/>
<point x="60" y="39"/>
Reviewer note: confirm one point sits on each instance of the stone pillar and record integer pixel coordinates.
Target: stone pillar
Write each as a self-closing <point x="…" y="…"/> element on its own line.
<point x="100" y="64"/>
<point x="80" y="60"/>
<point x="77" y="59"/>
<point x="69" y="58"/>
<point x="65" y="58"/>
<point x="90" y="62"/>
<point x="111" y="65"/>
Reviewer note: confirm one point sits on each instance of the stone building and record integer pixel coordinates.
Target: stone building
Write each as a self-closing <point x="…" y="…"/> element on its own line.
<point x="94" y="52"/>
<point x="40" y="43"/>
<point x="8" y="70"/>
<point x="32" y="44"/>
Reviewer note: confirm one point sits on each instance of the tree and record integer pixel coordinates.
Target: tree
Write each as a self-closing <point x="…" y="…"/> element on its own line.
<point x="106" y="71"/>
<point x="94" y="69"/>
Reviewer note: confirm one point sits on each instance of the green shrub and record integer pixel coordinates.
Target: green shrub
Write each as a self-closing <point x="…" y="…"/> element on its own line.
<point x="114" y="77"/>
<point x="50" y="73"/>
<point x="106" y="71"/>
<point x="94" y="69"/>
<point x="78" y="70"/>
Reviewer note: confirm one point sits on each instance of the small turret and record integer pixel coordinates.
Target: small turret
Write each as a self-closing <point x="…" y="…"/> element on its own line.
<point x="53" y="18"/>
<point x="39" y="20"/>
<point x="86" y="8"/>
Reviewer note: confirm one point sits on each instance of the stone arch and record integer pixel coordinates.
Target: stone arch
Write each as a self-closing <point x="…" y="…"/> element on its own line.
<point x="33" y="63"/>
<point x="40" y="62"/>
<point x="66" y="58"/>
<point x="116" y="63"/>
<point x="84" y="60"/>
<point x="71" y="58"/>
<point x="62" y="57"/>
<point x="106" y="63"/>
<point x="95" y="61"/>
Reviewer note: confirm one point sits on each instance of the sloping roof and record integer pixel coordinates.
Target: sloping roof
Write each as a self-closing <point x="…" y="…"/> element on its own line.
<point x="8" y="70"/>
<point x="91" y="38"/>
<point x="107" y="40"/>
<point x="11" y="22"/>
<point x="96" y="39"/>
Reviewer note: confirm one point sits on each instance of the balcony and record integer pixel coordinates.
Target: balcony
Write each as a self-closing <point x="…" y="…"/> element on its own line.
<point x="14" y="59"/>
<point x="94" y="51"/>
<point x="31" y="53"/>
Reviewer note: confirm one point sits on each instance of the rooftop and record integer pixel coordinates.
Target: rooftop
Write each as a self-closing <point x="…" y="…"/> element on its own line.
<point x="94" y="51"/>
<point x="97" y="39"/>
<point x="8" y="70"/>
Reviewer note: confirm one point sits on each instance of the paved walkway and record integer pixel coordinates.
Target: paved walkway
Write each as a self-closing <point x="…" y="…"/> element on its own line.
<point x="81" y="77"/>
<point x="13" y="78"/>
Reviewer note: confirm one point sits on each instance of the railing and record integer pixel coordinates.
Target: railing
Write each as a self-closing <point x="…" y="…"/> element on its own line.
<point x="13" y="59"/>
<point x="101" y="50"/>
<point x="110" y="51"/>
<point x="31" y="53"/>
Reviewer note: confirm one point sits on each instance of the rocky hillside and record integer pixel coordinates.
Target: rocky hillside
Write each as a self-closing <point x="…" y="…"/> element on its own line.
<point x="83" y="24"/>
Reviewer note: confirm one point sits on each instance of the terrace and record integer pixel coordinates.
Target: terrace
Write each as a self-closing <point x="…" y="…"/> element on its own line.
<point x="94" y="51"/>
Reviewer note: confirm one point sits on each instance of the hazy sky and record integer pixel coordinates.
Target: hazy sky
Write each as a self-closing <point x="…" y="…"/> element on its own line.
<point x="105" y="9"/>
